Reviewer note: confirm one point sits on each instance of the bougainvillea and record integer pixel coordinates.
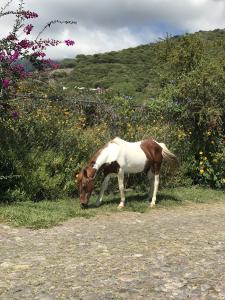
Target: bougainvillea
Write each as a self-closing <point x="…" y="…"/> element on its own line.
<point x="16" y="47"/>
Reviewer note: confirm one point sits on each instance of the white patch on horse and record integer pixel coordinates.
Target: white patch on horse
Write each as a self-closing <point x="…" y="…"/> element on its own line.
<point x="109" y="154"/>
<point x="129" y="156"/>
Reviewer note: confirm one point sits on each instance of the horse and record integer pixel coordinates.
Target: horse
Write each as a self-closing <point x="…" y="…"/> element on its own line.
<point x="121" y="157"/>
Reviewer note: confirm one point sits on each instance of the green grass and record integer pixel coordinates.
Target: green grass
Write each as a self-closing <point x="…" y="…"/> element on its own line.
<point x="46" y="214"/>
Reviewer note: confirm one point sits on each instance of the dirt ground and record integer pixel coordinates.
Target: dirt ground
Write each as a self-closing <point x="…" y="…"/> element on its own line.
<point x="177" y="253"/>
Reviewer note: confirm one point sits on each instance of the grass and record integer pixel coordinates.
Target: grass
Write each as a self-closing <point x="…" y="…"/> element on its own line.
<point x="46" y="214"/>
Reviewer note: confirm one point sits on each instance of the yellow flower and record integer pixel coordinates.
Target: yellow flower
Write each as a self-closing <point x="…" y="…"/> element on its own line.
<point x="205" y="158"/>
<point x="201" y="152"/>
<point x="223" y="180"/>
<point x="212" y="142"/>
<point x="201" y="163"/>
<point x="201" y="171"/>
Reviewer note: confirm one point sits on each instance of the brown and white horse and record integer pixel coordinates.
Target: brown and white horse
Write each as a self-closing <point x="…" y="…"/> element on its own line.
<point x="121" y="157"/>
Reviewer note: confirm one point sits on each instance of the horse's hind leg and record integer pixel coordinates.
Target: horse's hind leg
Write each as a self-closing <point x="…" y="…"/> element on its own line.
<point x="151" y="184"/>
<point x="156" y="186"/>
<point x="121" y="188"/>
<point x="155" y="170"/>
<point x="103" y="188"/>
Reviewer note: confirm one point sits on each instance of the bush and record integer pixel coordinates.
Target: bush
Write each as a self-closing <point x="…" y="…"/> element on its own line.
<point x="51" y="141"/>
<point x="194" y="96"/>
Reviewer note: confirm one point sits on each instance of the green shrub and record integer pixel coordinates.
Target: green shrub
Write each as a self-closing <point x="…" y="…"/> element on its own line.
<point x="50" y="142"/>
<point x="45" y="177"/>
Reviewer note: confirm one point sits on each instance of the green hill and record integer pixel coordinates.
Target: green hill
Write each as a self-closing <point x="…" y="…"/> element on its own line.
<point x="138" y="72"/>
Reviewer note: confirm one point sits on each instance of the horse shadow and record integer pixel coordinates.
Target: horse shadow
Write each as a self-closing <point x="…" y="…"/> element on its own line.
<point x="137" y="197"/>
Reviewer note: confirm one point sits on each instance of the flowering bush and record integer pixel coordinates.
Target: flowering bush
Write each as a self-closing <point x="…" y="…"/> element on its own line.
<point x="46" y="142"/>
<point x="16" y="47"/>
<point x="194" y="96"/>
<point x="209" y="163"/>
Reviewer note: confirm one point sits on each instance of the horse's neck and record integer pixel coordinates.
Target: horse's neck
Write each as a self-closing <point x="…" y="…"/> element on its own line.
<point x="101" y="160"/>
<point x="103" y="157"/>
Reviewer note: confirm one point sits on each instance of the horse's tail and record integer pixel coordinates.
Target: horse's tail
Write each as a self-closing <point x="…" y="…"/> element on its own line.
<point x="168" y="155"/>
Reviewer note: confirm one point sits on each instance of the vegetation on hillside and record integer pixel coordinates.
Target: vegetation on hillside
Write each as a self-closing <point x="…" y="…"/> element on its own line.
<point x="139" y="72"/>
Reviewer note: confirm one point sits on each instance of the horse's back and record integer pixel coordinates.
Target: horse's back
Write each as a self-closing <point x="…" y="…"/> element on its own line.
<point x="131" y="158"/>
<point x="117" y="140"/>
<point x="123" y="143"/>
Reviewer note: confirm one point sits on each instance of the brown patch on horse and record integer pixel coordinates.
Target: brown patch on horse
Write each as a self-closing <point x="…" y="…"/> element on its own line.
<point x="153" y="152"/>
<point x="109" y="168"/>
<point x="147" y="166"/>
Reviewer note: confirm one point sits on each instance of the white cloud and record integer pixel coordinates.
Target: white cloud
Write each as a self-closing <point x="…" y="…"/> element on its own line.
<point x="105" y="25"/>
<point x="98" y="41"/>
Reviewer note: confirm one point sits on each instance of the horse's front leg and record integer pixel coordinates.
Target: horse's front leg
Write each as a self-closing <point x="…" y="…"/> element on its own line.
<point x="121" y="188"/>
<point x="102" y="191"/>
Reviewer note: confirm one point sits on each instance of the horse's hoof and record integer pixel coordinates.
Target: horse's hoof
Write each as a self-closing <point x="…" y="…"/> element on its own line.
<point x="120" y="206"/>
<point x="152" y="205"/>
<point x="84" y="205"/>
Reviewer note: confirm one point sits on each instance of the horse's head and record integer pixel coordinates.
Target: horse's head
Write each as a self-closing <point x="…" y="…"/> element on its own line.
<point x="85" y="180"/>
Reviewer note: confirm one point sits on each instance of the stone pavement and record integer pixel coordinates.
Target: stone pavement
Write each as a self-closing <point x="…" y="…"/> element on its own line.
<point x="178" y="253"/>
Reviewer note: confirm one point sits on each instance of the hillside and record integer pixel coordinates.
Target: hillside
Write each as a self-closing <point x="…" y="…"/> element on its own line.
<point x="137" y="72"/>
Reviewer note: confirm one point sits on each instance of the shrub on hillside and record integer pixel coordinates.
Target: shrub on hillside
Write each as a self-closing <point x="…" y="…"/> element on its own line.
<point x="52" y="141"/>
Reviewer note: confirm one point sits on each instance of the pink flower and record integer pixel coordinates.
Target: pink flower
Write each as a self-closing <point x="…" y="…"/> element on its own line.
<point x="14" y="56"/>
<point x="25" y="44"/>
<point x="15" y="114"/>
<point x="29" y="14"/>
<point x="2" y="55"/>
<point x="48" y="63"/>
<point x="28" y="28"/>
<point x="5" y="83"/>
<point x="69" y="42"/>
<point x="11" y="37"/>
<point x="39" y="54"/>
<point x="18" y="70"/>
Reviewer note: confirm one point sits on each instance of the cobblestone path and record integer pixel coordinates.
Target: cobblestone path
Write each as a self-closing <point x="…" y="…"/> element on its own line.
<point x="177" y="253"/>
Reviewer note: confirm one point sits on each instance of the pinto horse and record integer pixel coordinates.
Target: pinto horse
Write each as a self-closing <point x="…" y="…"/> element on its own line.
<point x="121" y="157"/>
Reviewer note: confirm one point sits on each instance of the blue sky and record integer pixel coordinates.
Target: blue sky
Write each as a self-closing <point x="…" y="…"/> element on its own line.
<point x="108" y="25"/>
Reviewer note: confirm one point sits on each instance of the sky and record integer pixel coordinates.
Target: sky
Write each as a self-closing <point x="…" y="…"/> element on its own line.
<point x="111" y="25"/>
